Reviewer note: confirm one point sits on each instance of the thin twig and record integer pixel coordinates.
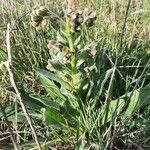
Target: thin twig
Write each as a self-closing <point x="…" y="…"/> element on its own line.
<point x="15" y="143"/>
<point x="8" y="65"/>
<point x="14" y="132"/>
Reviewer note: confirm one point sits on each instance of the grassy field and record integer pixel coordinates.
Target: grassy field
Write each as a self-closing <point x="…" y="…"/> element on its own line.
<point x="75" y="75"/>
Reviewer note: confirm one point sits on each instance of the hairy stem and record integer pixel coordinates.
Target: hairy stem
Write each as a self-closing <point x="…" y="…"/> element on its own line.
<point x="73" y="52"/>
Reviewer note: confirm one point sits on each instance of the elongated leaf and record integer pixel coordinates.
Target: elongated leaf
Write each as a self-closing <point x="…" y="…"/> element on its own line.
<point x="8" y="110"/>
<point x="52" y="117"/>
<point x="139" y="98"/>
<point x="78" y="39"/>
<point x="47" y="102"/>
<point x="129" y="103"/>
<point x="21" y="117"/>
<point x="29" y="101"/>
<point x="68" y="111"/>
<point x="57" y="65"/>
<point x="51" y="88"/>
<point x="61" y="39"/>
<point x="103" y="79"/>
<point x="55" y="77"/>
<point x="115" y="108"/>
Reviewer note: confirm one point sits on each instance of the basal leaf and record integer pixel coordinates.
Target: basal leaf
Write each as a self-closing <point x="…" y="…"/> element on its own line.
<point x="29" y="101"/>
<point x="46" y="101"/>
<point x="52" y="117"/>
<point x="139" y="98"/>
<point x="129" y="103"/>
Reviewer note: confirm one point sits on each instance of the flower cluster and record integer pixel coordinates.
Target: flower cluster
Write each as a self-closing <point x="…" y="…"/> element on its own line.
<point x="66" y="55"/>
<point x="53" y="46"/>
<point x="76" y="21"/>
<point x="89" y="17"/>
<point x="90" y="50"/>
<point x="40" y="17"/>
<point x="79" y="18"/>
<point x="56" y="49"/>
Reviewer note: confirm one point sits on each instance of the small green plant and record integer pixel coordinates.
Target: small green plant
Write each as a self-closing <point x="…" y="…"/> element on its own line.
<point x="80" y="96"/>
<point x="77" y="87"/>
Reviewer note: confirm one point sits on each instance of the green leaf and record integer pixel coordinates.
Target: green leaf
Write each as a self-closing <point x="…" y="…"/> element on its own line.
<point x="81" y="58"/>
<point x="10" y="113"/>
<point x="115" y="108"/>
<point x="55" y="77"/>
<point x="52" y="117"/>
<point x="78" y="39"/>
<point x="21" y="117"/>
<point x="47" y="102"/>
<point x="57" y="65"/>
<point x="129" y="103"/>
<point x="80" y="62"/>
<point x="139" y="98"/>
<point x="29" y="101"/>
<point x="61" y="39"/>
<point x="8" y="110"/>
<point x="51" y="88"/>
<point x="101" y="82"/>
<point x="67" y="110"/>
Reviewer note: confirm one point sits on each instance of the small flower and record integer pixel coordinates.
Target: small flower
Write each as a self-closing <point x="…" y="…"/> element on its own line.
<point x="44" y="23"/>
<point x="67" y="57"/>
<point x="68" y="76"/>
<point x="81" y="17"/>
<point x="35" y="24"/>
<point x="91" y="50"/>
<point x="36" y="18"/>
<point x="76" y="22"/>
<point x="69" y="11"/>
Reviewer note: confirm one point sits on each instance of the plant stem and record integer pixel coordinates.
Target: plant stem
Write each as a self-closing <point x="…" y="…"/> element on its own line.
<point x="72" y="51"/>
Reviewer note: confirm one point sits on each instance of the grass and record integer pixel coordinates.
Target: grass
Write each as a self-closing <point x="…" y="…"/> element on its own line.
<point x="85" y="90"/>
